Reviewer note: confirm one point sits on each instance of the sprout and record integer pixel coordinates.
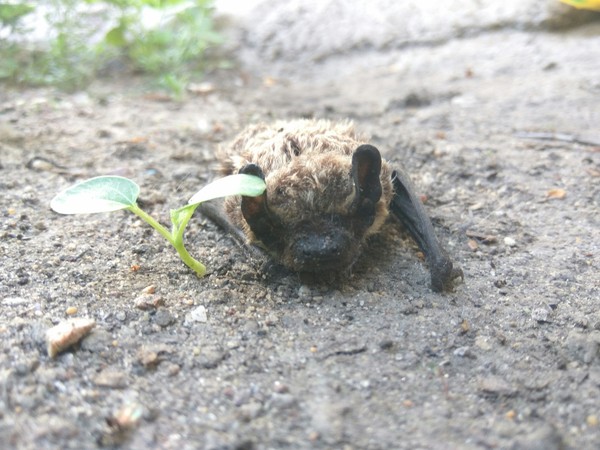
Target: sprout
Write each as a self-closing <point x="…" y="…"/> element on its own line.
<point x="112" y="193"/>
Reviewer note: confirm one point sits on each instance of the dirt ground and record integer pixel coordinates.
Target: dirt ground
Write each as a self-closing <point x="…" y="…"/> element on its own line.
<point x="500" y="131"/>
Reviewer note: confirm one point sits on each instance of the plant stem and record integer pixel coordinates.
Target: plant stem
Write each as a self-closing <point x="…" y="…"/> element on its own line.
<point x="177" y="235"/>
<point x="150" y="221"/>
<point x="175" y="238"/>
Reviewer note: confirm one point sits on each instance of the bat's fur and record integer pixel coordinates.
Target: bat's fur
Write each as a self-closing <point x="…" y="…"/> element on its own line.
<point x="317" y="201"/>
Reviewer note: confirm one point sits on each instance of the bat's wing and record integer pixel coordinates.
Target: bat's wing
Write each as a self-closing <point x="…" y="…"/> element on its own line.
<point x="409" y="209"/>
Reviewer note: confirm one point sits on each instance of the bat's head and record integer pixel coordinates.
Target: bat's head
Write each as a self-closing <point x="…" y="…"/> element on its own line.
<point x="317" y="211"/>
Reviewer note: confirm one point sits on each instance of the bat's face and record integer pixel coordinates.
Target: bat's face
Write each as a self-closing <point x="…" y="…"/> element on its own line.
<point x="315" y="214"/>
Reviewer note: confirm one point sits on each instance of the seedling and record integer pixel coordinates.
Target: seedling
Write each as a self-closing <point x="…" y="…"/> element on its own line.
<point x="111" y="193"/>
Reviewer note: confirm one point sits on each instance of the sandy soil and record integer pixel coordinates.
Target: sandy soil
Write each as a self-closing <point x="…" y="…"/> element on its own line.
<point x="499" y="131"/>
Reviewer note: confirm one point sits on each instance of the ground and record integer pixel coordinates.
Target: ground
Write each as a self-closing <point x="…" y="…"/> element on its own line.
<point x="499" y="130"/>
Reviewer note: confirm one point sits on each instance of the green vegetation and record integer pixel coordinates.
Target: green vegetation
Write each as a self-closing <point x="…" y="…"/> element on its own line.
<point x="111" y="193"/>
<point x="84" y="37"/>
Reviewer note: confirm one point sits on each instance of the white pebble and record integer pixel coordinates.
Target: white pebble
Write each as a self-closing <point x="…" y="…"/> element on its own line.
<point x="197" y="314"/>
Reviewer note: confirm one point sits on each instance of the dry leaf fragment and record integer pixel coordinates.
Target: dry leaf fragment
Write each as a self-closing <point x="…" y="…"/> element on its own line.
<point x="556" y="194"/>
<point x="67" y="333"/>
<point x="201" y="88"/>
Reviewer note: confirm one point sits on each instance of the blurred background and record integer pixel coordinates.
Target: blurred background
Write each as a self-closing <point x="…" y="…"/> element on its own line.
<point x="172" y="43"/>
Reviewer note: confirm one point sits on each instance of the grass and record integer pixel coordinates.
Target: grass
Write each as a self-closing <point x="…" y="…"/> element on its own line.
<point x="86" y="37"/>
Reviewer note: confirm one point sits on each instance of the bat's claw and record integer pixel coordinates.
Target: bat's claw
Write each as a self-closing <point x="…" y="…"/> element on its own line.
<point x="444" y="276"/>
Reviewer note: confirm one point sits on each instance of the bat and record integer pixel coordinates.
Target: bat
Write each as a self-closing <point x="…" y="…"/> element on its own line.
<point x="327" y="192"/>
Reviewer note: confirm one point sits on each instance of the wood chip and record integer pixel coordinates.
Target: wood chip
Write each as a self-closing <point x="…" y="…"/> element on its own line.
<point x="481" y="237"/>
<point x="593" y="172"/>
<point x="201" y="88"/>
<point x="67" y="333"/>
<point x="558" y="194"/>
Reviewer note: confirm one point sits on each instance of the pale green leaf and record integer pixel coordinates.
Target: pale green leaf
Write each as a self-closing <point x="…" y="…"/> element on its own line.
<point x="100" y="194"/>
<point x="240" y="184"/>
<point x="182" y="214"/>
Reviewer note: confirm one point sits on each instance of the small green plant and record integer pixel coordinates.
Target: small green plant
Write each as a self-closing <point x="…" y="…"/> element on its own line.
<point x="112" y="193"/>
<point x="86" y="37"/>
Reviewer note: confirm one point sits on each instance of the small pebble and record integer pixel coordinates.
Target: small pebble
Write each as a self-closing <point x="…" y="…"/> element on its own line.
<point x="163" y="318"/>
<point x="147" y="302"/>
<point x="314" y="436"/>
<point x="128" y="416"/>
<point x="464" y="326"/>
<point x="462" y="352"/>
<point x="98" y="341"/>
<point x="14" y="301"/>
<point x="280" y="388"/>
<point x="592" y="420"/>
<point x="304" y="291"/>
<point x="197" y="314"/>
<point x="540" y="315"/>
<point x="149" y="289"/>
<point x="210" y="357"/>
<point x="510" y="242"/>
<point x="282" y="401"/>
<point x="249" y="411"/>
<point x="172" y="369"/>
<point x="111" y="378"/>
<point x="496" y="386"/>
<point x="71" y="310"/>
<point x="148" y="358"/>
<point x="483" y="342"/>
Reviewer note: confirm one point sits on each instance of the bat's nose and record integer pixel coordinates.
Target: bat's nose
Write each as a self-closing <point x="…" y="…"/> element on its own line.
<point x="316" y="251"/>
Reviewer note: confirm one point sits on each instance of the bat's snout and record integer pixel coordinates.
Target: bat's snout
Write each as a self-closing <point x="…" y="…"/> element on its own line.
<point x="315" y="252"/>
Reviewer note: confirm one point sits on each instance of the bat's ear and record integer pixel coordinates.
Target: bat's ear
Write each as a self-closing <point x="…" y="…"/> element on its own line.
<point x="253" y="207"/>
<point x="366" y="168"/>
<point x="256" y="213"/>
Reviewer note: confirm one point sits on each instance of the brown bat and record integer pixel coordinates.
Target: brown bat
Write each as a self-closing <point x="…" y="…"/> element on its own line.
<point x="327" y="192"/>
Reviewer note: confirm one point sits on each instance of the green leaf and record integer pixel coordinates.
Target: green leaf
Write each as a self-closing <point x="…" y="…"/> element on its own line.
<point x="241" y="184"/>
<point x="182" y="214"/>
<point x="116" y="36"/>
<point x="100" y="194"/>
<point x="10" y="14"/>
